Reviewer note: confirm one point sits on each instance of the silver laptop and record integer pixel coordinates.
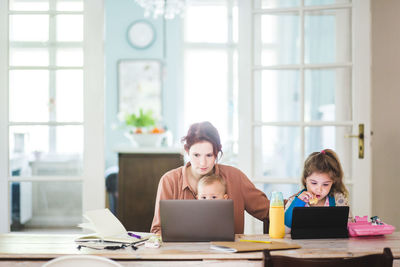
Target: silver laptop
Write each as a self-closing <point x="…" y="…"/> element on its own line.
<point x="197" y="220"/>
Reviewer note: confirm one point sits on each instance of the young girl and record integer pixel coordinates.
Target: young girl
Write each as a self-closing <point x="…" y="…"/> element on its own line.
<point x="323" y="184"/>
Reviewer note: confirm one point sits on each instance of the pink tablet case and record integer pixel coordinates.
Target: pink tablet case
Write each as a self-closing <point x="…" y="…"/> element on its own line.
<point x="362" y="227"/>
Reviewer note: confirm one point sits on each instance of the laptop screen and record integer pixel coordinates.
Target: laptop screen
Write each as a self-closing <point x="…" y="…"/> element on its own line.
<point x="197" y="220"/>
<point x="319" y="222"/>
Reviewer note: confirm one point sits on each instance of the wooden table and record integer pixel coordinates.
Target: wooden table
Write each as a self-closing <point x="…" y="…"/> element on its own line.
<point x="18" y="249"/>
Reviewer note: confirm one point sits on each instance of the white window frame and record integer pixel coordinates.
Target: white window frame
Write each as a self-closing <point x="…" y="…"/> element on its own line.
<point x="301" y="67"/>
<point x="361" y="180"/>
<point x="230" y="47"/>
<point x="4" y="197"/>
<point x="52" y="67"/>
<point x="93" y="185"/>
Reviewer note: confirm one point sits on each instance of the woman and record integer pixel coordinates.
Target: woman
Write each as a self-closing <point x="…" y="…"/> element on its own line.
<point x="203" y="145"/>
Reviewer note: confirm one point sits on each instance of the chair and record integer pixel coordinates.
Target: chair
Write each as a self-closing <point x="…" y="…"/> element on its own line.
<point x="266" y="226"/>
<point x="81" y="260"/>
<point x="111" y="175"/>
<point x="376" y="260"/>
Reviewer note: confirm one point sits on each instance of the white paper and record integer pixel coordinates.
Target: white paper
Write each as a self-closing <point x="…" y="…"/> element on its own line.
<point x="107" y="228"/>
<point x="223" y="248"/>
<point x="88" y="226"/>
<point x="105" y="224"/>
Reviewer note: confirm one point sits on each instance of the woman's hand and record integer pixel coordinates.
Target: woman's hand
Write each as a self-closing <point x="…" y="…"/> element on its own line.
<point x="306" y="196"/>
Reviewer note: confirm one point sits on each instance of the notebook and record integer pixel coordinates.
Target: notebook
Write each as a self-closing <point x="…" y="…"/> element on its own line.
<point x="197" y="220"/>
<point x="319" y="222"/>
<point x="107" y="228"/>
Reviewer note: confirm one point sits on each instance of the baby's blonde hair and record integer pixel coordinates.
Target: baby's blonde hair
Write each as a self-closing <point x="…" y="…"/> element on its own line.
<point x="211" y="179"/>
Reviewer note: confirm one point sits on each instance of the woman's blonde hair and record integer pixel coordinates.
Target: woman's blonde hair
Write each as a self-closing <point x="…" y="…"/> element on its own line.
<point x="326" y="161"/>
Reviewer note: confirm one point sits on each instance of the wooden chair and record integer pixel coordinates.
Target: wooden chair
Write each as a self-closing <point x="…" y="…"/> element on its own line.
<point x="266" y="226"/>
<point x="376" y="260"/>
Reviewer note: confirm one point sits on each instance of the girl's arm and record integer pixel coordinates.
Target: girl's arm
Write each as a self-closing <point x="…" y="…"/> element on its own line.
<point x="290" y="205"/>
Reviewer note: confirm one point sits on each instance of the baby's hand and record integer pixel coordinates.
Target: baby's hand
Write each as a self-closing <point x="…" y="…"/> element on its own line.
<point x="307" y="197"/>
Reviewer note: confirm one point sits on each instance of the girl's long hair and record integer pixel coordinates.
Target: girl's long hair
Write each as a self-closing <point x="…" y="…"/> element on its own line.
<point x="328" y="162"/>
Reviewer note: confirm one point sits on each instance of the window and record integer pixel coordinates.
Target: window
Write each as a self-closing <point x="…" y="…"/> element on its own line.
<point x="210" y="69"/>
<point x="304" y="78"/>
<point x="46" y="77"/>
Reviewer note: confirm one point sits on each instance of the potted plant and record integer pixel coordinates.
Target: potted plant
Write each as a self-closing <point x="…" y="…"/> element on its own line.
<point x="142" y="128"/>
<point x="141" y="121"/>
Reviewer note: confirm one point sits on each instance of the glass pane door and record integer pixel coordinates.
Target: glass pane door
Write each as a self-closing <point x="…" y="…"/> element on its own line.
<point x="46" y="132"/>
<point x="303" y="89"/>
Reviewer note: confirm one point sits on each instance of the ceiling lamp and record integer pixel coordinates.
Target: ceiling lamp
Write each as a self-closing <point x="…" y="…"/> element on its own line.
<point x="167" y="8"/>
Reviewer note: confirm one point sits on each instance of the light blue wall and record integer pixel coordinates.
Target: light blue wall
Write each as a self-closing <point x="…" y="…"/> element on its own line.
<point x="119" y="14"/>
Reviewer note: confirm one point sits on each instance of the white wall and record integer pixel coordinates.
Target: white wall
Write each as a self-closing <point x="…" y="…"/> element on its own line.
<point x="385" y="110"/>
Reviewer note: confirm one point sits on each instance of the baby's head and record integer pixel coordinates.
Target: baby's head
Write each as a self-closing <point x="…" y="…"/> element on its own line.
<point x="211" y="187"/>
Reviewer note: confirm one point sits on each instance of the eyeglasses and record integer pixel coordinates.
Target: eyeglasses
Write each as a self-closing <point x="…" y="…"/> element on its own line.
<point x="108" y="247"/>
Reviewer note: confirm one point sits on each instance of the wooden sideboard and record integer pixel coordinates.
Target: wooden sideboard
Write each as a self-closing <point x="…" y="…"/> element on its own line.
<point x="140" y="171"/>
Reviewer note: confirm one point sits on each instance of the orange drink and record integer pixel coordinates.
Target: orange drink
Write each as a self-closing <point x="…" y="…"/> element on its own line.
<point x="276" y="223"/>
<point x="276" y="216"/>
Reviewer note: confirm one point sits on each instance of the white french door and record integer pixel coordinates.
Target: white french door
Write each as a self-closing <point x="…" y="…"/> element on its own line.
<point x="52" y="112"/>
<point x="304" y="82"/>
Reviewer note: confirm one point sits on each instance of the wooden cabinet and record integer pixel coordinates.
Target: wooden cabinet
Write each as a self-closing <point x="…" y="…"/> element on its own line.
<point x="138" y="177"/>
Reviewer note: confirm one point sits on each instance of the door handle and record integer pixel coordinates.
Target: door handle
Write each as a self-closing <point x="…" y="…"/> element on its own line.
<point x="360" y="137"/>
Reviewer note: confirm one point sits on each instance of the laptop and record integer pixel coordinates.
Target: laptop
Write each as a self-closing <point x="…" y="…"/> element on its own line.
<point x="319" y="222"/>
<point x="197" y="220"/>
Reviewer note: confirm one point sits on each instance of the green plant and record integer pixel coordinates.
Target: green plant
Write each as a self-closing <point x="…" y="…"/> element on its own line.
<point x="144" y="119"/>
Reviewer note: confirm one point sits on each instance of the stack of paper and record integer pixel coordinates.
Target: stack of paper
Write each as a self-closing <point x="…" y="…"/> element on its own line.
<point x="107" y="227"/>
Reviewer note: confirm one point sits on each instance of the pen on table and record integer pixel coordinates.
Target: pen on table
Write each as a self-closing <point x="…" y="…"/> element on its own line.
<point x="255" y="241"/>
<point x="133" y="235"/>
<point x="140" y="243"/>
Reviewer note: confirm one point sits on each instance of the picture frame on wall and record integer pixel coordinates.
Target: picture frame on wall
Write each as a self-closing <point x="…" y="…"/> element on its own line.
<point x="140" y="86"/>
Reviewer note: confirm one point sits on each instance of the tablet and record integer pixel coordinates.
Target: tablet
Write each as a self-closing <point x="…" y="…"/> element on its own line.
<point x="319" y="222"/>
<point x="197" y="220"/>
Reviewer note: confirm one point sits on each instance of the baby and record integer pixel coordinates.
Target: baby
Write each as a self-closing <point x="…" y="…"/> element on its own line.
<point x="211" y="187"/>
